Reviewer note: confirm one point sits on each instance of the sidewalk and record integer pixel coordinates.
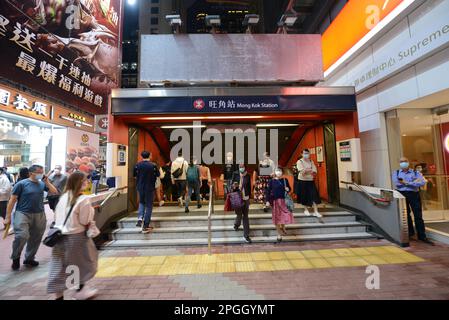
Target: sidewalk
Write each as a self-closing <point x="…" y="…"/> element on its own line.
<point x="320" y="270"/>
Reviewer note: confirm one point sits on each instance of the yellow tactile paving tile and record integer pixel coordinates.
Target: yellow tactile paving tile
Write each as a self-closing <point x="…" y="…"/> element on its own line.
<point x="253" y="261"/>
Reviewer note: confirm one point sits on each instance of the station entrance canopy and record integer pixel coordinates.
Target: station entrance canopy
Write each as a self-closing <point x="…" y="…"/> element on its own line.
<point x="201" y="101"/>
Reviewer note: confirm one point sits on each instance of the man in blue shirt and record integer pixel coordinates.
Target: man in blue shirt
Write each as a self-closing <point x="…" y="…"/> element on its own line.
<point x="146" y="174"/>
<point x="408" y="182"/>
<point x="29" y="218"/>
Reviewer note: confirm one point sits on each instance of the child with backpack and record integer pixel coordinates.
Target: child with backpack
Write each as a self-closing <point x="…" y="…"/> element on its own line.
<point x="193" y="184"/>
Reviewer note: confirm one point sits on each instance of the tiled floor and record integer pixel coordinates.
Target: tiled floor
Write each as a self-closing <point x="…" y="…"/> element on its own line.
<point x="307" y="270"/>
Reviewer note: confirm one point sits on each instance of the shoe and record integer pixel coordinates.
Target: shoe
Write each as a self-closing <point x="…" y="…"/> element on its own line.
<point x="139" y="224"/>
<point x="187" y="210"/>
<point x="236" y="227"/>
<point x="248" y="239"/>
<point x="161" y="203"/>
<point x="265" y="209"/>
<point x="199" y="206"/>
<point x="52" y="225"/>
<point x="146" y="230"/>
<point x="31" y="263"/>
<point x="307" y="213"/>
<point x="317" y="214"/>
<point x="181" y="203"/>
<point x="85" y="294"/>
<point x="279" y="239"/>
<point x="428" y="241"/>
<point x="15" y="264"/>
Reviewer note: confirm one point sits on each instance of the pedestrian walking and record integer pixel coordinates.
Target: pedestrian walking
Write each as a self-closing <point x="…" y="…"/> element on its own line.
<point x="242" y="185"/>
<point x="307" y="192"/>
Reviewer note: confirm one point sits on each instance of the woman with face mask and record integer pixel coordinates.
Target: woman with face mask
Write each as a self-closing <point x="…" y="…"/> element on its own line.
<point x="263" y="177"/>
<point x="75" y="219"/>
<point x="276" y="194"/>
<point x="307" y="194"/>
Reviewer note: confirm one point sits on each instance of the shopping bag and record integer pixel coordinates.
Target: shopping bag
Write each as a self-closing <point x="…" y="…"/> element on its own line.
<point x="228" y="207"/>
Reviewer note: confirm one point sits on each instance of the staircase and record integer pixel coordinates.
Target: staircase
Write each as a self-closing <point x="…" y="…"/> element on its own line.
<point x="173" y="227"/>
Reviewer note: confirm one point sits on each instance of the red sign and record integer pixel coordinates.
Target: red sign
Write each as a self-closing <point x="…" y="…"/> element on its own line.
<point x="69" y="50"/>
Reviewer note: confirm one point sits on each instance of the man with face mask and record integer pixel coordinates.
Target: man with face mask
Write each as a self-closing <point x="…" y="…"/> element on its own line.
<point x="58" y="180"/>
<point x="29" y="217"/>
<point x="229" y="168"/>
<point x="408" y="182"/>
<point x="242" y="181"/>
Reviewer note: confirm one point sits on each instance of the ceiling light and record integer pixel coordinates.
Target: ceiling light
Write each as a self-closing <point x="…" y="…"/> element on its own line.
<point x="269" y="125"/>
<point x="202" y="118"/>
<point x="183" y="127"/>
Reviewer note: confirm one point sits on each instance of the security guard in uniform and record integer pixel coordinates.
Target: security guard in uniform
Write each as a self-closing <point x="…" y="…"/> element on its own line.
<point x="408" y="181"/>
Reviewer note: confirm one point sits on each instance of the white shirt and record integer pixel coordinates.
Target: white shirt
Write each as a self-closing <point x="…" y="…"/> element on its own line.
<point x="5" y="188"/>
<point x="178" y="164"/>
<point x="82" y="214"/>
<point x="302" y="165"/>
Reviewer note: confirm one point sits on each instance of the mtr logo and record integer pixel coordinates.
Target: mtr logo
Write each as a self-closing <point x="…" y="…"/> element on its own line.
<point x="199" y="104"/>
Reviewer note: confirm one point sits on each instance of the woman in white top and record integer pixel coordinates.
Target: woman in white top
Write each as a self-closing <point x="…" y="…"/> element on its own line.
<point x="5" y="192"/>
<point x="76" y="249"/>
<point x="307" y="193"/>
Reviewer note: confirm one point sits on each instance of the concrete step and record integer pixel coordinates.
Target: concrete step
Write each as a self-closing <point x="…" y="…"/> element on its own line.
<point x="228" y="219"/>
<point x="257" y="230"/>
<point x="130" y="244"/>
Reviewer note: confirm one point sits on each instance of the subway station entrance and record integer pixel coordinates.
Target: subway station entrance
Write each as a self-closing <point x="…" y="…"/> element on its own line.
<point x="207" y="123"/>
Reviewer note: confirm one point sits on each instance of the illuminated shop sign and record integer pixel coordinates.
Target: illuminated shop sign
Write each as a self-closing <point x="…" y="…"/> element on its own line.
<point x="76" y="119"/>
<point x="23" y="130"/>
<point x="22" y="104"/>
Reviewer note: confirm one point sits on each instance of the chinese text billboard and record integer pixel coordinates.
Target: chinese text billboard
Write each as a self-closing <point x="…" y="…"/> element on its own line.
<point x="67" y="49"/>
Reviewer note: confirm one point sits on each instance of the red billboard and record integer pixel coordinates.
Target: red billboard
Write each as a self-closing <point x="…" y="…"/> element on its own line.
<point x="66" y="49"/>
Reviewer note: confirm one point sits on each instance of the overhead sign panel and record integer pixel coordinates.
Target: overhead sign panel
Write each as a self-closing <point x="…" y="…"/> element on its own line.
<point x="231" y="57"/>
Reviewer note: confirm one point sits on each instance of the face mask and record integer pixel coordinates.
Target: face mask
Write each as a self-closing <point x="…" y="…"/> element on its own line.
<point x="57" y="171"/>
<point x="306" y="156"/>
<point x="278" y="174"/>
<point x="242" y="170"/>
<point x="39" y="176"/>
<point x="404" y="165"/>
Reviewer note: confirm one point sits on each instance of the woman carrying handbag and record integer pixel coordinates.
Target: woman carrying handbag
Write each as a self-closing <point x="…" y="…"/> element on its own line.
<point x="278" y="196"/>
<point x="75" y="249"/>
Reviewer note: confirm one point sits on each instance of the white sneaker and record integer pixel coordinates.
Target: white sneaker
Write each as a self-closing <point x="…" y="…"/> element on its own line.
<point x="317" y="214"/>
<point x="85" y="294"/>
<point x="161" y="203"/>
<point x="307" y="213"/>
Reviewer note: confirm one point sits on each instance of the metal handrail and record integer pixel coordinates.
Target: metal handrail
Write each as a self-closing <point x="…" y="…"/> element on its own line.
<point x="373" y="199"/>
<point x="209" y="220"/>
<point x="102" y="204"/>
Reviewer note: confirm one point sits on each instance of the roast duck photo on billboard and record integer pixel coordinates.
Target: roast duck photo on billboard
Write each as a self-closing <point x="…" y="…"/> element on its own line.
<point x="77" y="39"/>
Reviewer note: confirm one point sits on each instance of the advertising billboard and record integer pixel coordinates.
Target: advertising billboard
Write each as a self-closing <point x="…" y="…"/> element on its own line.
<point x="67" y="49"/>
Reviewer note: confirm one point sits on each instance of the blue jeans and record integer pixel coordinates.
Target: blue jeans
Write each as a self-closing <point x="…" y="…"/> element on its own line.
<point x="146" y="207"/>
<point x="193" y="187"/>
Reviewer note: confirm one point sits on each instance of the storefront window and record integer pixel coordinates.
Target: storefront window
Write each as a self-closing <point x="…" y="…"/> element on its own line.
<point x="24" y="142"/>
<point x="419" y="135"/>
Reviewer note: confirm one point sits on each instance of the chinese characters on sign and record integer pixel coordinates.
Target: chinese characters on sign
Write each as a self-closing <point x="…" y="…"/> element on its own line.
<point x="72" y="59"/>
<point x="21" y="103"/>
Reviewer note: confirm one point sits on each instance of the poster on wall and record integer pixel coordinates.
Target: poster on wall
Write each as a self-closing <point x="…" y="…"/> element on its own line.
<point x="68" y="48"/>
<point x="82" y="151"/>
<point x="319" y="154"/>
<point x="345" y="151"/>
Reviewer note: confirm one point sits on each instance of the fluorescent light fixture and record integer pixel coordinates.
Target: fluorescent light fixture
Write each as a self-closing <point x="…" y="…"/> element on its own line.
<point x="203" y="118"/>
<point x="213" y="20"/>
<point x="397" y="11"/>
<point x="183" y="127"/>
<point x="275" y="125"/>
<point x="132" y="2"/>
<point x="251" y="20"/>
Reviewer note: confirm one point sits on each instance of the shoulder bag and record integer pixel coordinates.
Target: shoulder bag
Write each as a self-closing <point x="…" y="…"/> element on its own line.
<point x="55" y="235"/>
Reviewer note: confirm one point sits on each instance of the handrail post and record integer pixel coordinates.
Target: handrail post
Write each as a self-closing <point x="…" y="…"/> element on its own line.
<point x="209" y="222"/>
